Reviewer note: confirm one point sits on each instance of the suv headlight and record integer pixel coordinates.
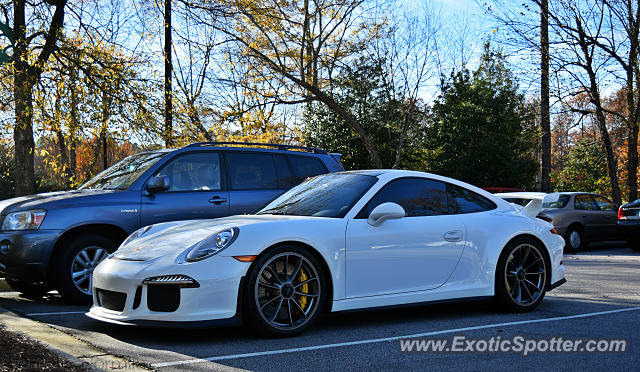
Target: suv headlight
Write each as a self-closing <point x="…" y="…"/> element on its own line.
<point x="23" y="220"/>
<point x="213" y="244"/>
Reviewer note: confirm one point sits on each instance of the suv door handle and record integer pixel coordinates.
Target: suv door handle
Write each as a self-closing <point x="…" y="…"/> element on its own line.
<point x="453" y="236"/>
<point x="217" y="200"/>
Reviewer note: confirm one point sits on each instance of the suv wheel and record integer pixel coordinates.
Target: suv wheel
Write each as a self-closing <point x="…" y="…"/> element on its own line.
<point x="29" y="289"/>
<point x="74" y="267"/>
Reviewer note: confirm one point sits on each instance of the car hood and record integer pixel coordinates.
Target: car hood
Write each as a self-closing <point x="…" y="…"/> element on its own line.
<point x="45" y="199"/>
<point x="173" y="238"/>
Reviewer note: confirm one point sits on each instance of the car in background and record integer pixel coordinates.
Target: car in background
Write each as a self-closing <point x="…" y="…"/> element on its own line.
<point x="55" y="240"/>
<point x="579" y="217"/>
<point x="496" y="190"/>
<point x="629" y="223"/>
<point x="336" y="242"/>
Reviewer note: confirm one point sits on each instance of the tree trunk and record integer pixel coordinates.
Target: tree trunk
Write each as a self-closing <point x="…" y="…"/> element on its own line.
<point x="633" y="106"/>
<point x="594" y="93"/>
<point x="195" y="120"/>
<point x="23" y="133"/>
<point x="545" y="119"/>
<point x="23" y="95"/>
<point x="168" y="70"/>
<point x="406" y="119"/>
<point x="632" y="163"/>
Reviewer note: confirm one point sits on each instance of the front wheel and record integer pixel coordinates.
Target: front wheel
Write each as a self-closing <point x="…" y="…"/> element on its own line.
<point x="634" y="245"/>
<point x="521" y="276"/>
<point x="285" y="291"/>
<point x="74" y="267"/>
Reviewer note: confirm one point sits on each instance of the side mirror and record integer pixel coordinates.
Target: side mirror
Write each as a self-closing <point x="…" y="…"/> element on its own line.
<point x="385" y="211"/>
<point x="158" y="184"/>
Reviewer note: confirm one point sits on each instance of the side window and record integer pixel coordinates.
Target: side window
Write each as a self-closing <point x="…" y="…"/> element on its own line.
<point x="285" y="178"/>
<point x="462" y="201"/>
<point x="250" y="171"/>
<point x="304" y="167"/>
<point x="191" y="172"/>
<point x="584" y="203"/>
<point x="603" y="204"/>
<point x="418" y="197"/>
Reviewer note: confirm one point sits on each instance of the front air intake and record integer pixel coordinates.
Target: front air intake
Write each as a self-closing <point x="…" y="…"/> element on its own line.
<point x="111" y="300"/>
<point x="163" y="298"/>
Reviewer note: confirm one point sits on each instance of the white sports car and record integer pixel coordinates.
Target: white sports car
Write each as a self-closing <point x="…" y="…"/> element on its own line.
<point x="340" y="241"/>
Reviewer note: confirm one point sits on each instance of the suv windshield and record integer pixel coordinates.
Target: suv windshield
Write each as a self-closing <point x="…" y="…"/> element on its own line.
<point x="329" y="195"/>
<point x="122" y="174"/>
<point x="560" y="203"/>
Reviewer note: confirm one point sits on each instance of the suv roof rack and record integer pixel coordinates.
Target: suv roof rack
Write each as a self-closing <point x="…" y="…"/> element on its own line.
<point x="252" y="144"/>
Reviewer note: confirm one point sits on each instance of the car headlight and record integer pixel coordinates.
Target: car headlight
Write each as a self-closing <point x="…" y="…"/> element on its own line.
<point x="24" y="220"/>
<point x="213" y="244"/>
<point x="135" y="235"/>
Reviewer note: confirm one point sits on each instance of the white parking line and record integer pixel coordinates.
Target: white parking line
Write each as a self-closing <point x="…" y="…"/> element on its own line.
<point x="387" y="339"/>
<point x="56" y="313"/>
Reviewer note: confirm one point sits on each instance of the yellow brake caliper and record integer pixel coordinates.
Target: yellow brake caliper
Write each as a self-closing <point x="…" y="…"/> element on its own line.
<point x="302" y="301"/>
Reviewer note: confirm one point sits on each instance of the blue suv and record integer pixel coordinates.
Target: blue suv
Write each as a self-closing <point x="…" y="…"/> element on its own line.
<point x="55" y="240"/>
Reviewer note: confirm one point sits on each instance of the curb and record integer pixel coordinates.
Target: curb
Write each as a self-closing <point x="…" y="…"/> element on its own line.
<point x="68" y="347"/>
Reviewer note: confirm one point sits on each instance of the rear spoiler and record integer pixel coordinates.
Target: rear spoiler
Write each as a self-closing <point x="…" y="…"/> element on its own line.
<point x="336" y="156"/>
<point x="534" y="207"/>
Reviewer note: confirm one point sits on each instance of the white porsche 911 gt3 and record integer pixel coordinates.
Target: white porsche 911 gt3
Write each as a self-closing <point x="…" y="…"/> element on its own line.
<point x="340" y="241"/>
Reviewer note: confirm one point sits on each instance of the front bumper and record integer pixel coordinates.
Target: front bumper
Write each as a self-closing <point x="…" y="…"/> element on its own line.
<point x="25" y="255"/>
<point x="215" y="302"/>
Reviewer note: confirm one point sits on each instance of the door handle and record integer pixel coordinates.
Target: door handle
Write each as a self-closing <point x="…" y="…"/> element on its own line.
<point x="217" y="200"/>
<point x="453" y="236"/>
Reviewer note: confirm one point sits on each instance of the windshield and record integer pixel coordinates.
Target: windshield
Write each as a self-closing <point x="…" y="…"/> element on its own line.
<point x="329" y="195"/>
<point x="560" y="203"/>
<point x="122" y="174"/>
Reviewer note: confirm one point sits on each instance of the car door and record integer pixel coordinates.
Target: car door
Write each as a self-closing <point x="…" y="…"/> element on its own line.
<point x="196" y="190"/>
<point x="588" y="215"/>
<point x="606" y="219"/>
<point x="414" y="253"/>
<point x="253" y="180"/>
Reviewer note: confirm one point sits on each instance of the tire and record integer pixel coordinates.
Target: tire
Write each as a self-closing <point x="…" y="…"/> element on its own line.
<point x="574" y="239"/>
<point x="634" y="245"/>
<point x="522" y="276"/>
<point x="283" y="305"/>
<point x="72" y="260"/>
<point x="29" y="289"/>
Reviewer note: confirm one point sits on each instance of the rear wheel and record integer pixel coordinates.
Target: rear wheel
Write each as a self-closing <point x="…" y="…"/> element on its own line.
<point x="285" y="291"/>
<point x="521" y="276"/>
<point x="74" y="267"/>
<point x="30" y="289"/>
<point x="634" y="245"/>
<point x="574" y="239"/>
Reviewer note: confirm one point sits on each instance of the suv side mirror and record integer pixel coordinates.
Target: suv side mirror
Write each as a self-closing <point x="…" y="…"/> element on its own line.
<point x="158" y="184"/>
<point x="385" y="211"/>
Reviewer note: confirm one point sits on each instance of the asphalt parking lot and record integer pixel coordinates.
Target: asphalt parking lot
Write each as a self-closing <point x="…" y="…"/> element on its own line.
<point x="600" y="301"/>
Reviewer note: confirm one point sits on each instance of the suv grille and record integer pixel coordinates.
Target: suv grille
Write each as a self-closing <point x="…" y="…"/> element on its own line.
<point x="111" y="300"/>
